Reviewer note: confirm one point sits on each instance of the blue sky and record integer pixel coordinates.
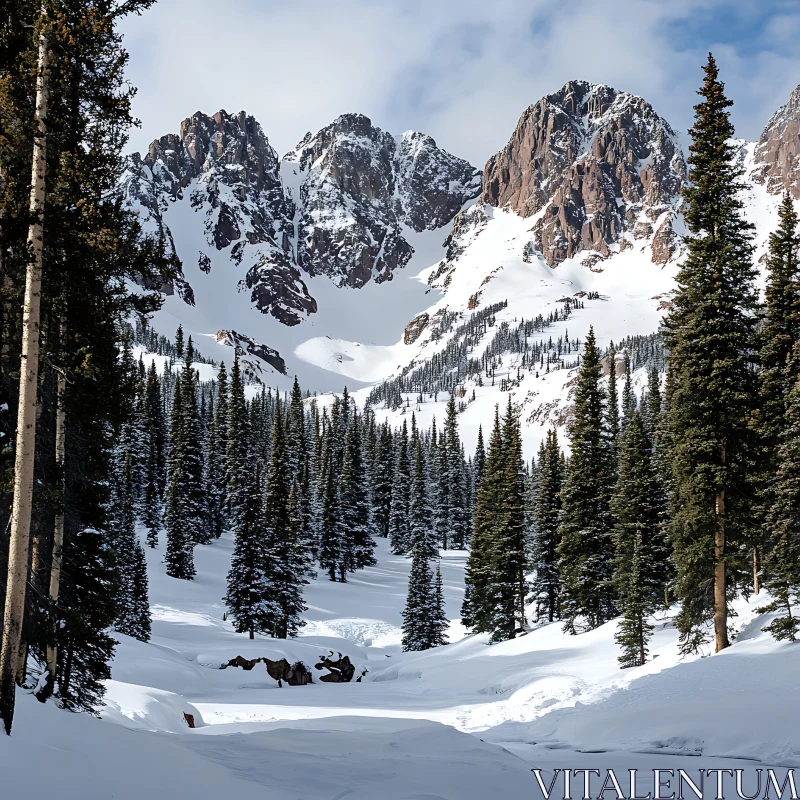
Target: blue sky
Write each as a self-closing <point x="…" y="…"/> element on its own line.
<point x="460" y="70"/>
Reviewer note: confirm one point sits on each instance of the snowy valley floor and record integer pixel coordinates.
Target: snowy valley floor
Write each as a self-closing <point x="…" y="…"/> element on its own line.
<point x="465" y="721"/>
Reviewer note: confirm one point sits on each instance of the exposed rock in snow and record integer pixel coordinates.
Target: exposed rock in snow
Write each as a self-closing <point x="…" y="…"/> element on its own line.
<point x="777" y="153"/>
<point x="590" y="162"/>
<point x="245" y="345"/>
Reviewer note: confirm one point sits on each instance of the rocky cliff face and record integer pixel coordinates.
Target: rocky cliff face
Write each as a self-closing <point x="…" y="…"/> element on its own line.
<point x="337" y="205"/>
<point x="777" y="152"/>
<point x="359" y="187"/>
<point x="590" y="163"/>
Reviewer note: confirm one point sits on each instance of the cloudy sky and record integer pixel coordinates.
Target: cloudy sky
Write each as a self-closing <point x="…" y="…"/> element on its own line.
<point x="460" y="70"/>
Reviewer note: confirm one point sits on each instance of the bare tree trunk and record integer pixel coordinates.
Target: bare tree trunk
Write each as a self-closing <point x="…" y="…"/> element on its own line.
<point x="720" y="598"/>
<point x="26" y="418"/>
<point x="756" y="585"/>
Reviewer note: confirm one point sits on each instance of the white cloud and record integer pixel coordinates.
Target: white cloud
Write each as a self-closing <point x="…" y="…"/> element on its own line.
<point x="461" y="70"/>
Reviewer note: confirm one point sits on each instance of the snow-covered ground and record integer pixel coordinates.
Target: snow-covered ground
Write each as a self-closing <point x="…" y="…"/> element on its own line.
<point x="463" y="721"/>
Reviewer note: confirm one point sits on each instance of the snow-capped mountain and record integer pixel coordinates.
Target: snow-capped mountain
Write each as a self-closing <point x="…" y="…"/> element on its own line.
<point x="578" y="223"/>
<point x="337" y="205"/>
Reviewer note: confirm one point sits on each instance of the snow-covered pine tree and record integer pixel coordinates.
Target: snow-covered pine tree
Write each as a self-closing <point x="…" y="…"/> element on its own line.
<point x="124" y="539"/>
<point x="247" y="597"/>
<point x="217" y="458"/>
<point x="779" y="333"/>
<point x="330" y="550"/>
<point x="383" y="472"/>
<point x="424" y="621"/>
<point x="586" y="549"/>
<point x="420" y="514"/>
<point x="612" y="406"/>
<point x="237" y="465"/>
<point x="510" y="555"/>
<point x="440" y="623"/>
<point x="781" y="564"/>
<point x="139" y="623"/>
<point x="709" y="333"/>
<point x="179" y="341"/>
<point x="184" y="516"/>
<point x="357" y="523"/>
<point x="150" y="509"/>
<point x="460" y="523"/>
<point x="547" y="508"/>
<point x="628" y="398"/>
<point x="399" y="531"/>
<point x="285" y="564"/>
<point x="634" y="630"/>
<point x="641" y="555"/>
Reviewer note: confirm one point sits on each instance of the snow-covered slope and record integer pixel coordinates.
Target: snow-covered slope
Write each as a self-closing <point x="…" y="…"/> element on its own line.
<point x="460" y="722"/>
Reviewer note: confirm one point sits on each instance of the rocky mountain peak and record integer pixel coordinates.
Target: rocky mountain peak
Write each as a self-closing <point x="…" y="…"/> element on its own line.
<point x="777" y="152"/>
<point x="359" y="188"/>
<point x="590" y="162"/>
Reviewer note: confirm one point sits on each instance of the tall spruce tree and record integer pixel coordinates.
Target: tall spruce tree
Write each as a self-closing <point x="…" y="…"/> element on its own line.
<point x="217" y="458"/>
<point x="356" y="509"/>
<point x="247" y="598"/>
<point x="399" y="529"/>
<point x="237" y="447"/>
<point x="709" y="334"/>
<point x="383" y="472"/>
<point x="781" y="566"/>
<point x="285" y="564"/>
<point x="779" y="333"/>
<point x="547" y="508"/>
<point x="586" y="549"/>
<point x="640" y="561"/>
<point x="421" y="523"/>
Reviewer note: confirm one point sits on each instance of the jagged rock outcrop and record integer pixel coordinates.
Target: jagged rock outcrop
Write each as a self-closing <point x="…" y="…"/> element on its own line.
<point x="594" y="161"/>
<point x="246" y="345"/>
<point x="777" y="152"/>
<point x="358" y="187"/>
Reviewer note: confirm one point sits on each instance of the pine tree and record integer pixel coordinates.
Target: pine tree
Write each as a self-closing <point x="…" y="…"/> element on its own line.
<point x="185" y="518"/>
<point x="139" y="622"/>
<point x="418" y="614"/>
<point x="710" y="338"/>
<point x="399" y="531"/>
<point x="640" y="562"/>
<point x="547" y="508"/>
<point x="217" y="459"/>
<point x="331" y="531"/>
<point x="440" y="623"/>
<point x="781" y="566"/>
<point x="247" y="598"/>
<point x="477" y="608"/>
<point x="179" y="342"/>
<point x="356" y="510"/>
<point x="628" y="398"/>
<point x="779" y="334"/>
<point x="510" y="551"/>
<point x="586" y="548"/>
<point x="383" y="478"/>
<point x="124" y="529"/>
<point x="612" y="404"/>
<point x="634" y="631"/>
<point x="236" y="452"/>
<point x="420" y="513"/>
<point x="285" y="553"/>
<point x="459" y="522"/>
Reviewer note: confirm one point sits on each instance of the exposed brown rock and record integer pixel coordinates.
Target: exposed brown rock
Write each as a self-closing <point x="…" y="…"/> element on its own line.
<point x="414" y="328"/>
<point x="777" y="153"/>
<point x="665" y="242"/>
<point x="591" y="193"/>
